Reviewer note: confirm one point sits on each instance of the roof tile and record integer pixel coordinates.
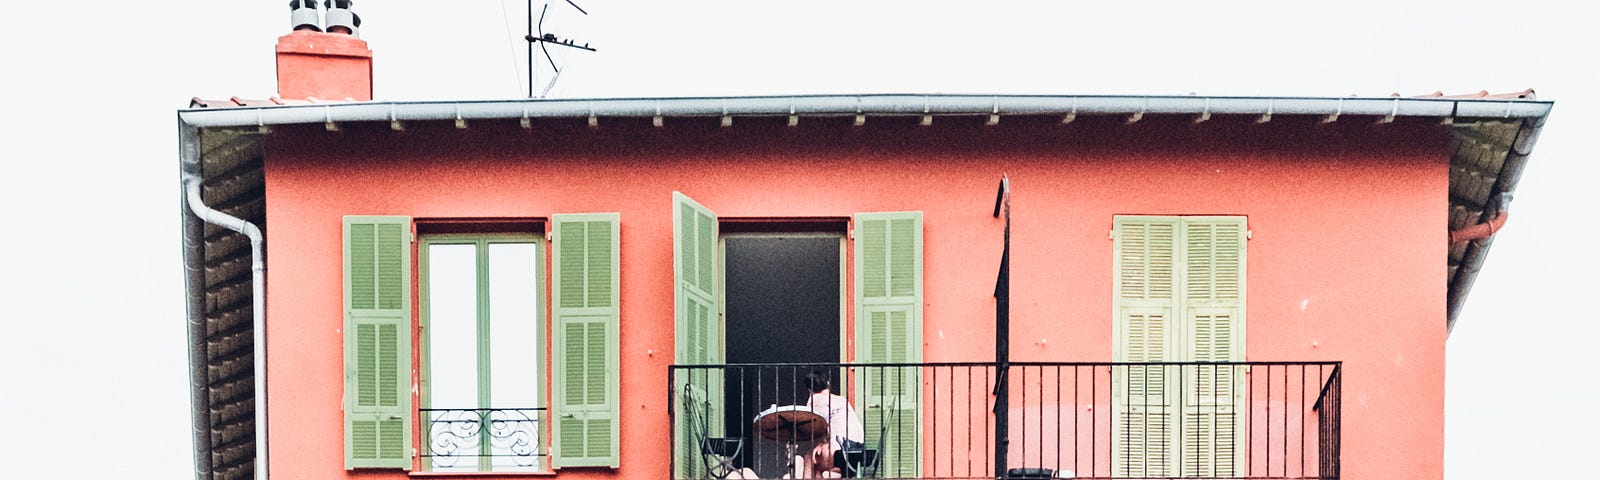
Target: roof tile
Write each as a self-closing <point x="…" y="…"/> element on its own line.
<point x="234" y="102"/>
<point x="1482" y="95"/>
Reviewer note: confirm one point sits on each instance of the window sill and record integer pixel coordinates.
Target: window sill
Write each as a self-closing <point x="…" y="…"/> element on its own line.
<point x="422" y="474"/>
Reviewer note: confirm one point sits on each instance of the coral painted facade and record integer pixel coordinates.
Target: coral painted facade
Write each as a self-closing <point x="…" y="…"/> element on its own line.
<point x="1346" y="248"/>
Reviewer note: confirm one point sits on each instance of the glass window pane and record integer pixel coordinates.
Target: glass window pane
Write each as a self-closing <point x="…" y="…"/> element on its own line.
<point x="452" y="359"/>
<point x="452" y="326"/>
<point x="514" y="360"/>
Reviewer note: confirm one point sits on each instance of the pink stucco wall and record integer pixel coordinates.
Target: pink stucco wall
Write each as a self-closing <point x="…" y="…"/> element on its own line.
<point x="1346" y="261"/>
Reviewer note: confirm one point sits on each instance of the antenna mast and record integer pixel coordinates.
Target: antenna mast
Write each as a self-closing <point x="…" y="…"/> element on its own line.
<point x="536" y="34"/>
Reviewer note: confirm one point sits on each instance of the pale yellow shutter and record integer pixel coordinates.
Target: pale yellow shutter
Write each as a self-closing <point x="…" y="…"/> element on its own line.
<point x="1179" y="298"/>
<point x="1213" y="319"/>
<point x="1145" y="265"/>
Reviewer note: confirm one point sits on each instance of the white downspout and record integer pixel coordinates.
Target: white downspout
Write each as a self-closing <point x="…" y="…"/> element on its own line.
<point x="258" y="286"/>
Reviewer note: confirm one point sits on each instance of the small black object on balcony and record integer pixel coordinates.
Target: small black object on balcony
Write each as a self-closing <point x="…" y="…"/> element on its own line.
<point x="1030" y="473"/>
<point x="857" y="463"/>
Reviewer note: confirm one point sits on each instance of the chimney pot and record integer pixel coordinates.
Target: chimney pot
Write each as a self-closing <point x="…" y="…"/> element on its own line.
<point x="303" y="15"/>
<point x="340" y="19"/>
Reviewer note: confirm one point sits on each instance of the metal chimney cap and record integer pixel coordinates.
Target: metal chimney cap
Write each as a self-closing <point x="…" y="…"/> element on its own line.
<point x="303" y="15"/>
<point x="340" y="19"/>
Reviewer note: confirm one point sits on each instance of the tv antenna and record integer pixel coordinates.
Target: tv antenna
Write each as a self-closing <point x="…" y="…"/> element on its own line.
<point x="537" y="35"/>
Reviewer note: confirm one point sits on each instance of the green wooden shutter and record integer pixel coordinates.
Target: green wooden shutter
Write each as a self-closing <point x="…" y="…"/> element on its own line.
<point x="698" y="341"/>
<point x="888" y="278"/>
<point x="1213" y="298"/>
<point x="377" y="342"/>
<point x="1145" y="265"/>
<point x="586" y="339"/>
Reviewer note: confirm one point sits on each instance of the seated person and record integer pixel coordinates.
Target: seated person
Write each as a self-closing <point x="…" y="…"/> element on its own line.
<point x="844" y="427"/>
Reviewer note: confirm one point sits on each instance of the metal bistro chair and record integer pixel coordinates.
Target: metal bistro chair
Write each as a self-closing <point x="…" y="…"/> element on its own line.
<point x="858" y="461"/>
<point x="719" y="453"/>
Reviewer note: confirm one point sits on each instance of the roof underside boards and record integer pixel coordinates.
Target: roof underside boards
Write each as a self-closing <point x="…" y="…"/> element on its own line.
<point x="1493" y="134"/>
<point x="221" y="316"/>
<point x="1486" y="162"/>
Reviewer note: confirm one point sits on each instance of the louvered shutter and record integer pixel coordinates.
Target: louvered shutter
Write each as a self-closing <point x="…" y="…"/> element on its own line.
<point x="888" y="278"/>
<point x="1145" y="264"/>
<point x="696" y="289"/>
<point x="1179" y="298"/>
<point x="1213" y="296"/>
<point x="586" y="273"/>
<point x="377" y="342"/>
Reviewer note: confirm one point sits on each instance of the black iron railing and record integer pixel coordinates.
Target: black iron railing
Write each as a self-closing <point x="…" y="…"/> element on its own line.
<point x="1255" y="420"/>
<point x="484" y="439"/>
<point x="1327" y="408"/>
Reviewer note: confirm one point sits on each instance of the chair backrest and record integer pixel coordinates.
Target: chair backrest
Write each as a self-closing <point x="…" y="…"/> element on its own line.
<point x="856" y="463"/>
<point x="717" y="454"/>
<point x="722" y="446"/>
<point x="856" y="460"/>
<point x="870" y="458"/>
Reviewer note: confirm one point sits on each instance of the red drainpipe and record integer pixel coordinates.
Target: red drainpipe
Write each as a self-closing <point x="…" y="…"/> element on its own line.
<point x="1479" y="231"/>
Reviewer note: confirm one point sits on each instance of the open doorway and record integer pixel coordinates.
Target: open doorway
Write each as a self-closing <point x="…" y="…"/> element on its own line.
<point x="782" y="305"/>
<point x="781" y="297"/>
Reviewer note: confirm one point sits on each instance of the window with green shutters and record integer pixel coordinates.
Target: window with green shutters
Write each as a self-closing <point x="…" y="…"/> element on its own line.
<point x="482" y="343"/>
<point x="377" y="331"/>
<point x="888" y="279"/>
<point x="1179" y="297"/>
<point x="586" y="320"/>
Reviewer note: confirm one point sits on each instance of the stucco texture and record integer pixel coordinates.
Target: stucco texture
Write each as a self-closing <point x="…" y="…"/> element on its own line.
<point x="1346" y="260"/>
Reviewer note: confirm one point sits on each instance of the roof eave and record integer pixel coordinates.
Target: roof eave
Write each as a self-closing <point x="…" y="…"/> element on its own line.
<point x="1519" y="150"/>
<point x="867" y="105"/>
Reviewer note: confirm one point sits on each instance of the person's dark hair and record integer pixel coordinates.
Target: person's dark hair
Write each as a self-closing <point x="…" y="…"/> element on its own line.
<point x="817" y="381"/>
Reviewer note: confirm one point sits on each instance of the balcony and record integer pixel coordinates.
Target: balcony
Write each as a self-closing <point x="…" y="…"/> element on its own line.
<point x="1254" y="420"/>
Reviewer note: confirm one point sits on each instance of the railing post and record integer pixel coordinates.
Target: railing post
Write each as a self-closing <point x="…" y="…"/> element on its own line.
<point x="672" y="423"/>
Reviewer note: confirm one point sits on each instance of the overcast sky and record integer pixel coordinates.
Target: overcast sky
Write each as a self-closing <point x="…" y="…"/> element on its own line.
<point x="93" y="369"/>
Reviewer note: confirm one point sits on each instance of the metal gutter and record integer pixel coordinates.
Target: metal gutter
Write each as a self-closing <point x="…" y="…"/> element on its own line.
<point x="194" y="280"/>
<point x="868" y="105"/>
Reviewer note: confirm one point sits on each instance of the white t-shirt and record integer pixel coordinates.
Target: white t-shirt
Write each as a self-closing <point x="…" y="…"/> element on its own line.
<point x="843" y="421"/>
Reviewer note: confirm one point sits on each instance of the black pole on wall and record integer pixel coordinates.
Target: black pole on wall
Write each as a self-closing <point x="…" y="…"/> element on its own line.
<point x="1002" y="334"/>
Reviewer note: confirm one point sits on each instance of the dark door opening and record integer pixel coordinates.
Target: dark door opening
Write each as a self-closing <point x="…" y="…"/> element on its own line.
<point x="782" y="305"/>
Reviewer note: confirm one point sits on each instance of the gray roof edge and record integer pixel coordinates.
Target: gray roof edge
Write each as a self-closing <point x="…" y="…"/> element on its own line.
<point x="194" y="309"/>
<point x="189" y="157"/>
<point x="1521" y="148"/>
<point x="876" y="105"/>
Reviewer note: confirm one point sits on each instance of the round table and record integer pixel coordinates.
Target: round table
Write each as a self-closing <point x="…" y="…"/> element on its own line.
<point x="794" y="425"/>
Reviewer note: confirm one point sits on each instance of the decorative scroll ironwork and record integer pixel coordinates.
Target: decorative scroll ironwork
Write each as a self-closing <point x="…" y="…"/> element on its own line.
<point x="484" y="439"/>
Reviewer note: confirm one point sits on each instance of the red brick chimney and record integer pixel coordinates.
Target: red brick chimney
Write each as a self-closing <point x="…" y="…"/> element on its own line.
<point x="327" y="66"/>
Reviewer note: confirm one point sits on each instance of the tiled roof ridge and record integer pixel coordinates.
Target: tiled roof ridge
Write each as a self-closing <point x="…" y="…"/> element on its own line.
<point x="1480" y="95"/>
<point x="231" y="102"/>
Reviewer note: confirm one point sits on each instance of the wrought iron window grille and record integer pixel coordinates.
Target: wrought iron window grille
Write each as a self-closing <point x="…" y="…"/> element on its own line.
<point x="484" y="439"/>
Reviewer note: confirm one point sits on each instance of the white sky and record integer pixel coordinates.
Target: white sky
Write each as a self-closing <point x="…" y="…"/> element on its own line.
<point x="93" y="369"/>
